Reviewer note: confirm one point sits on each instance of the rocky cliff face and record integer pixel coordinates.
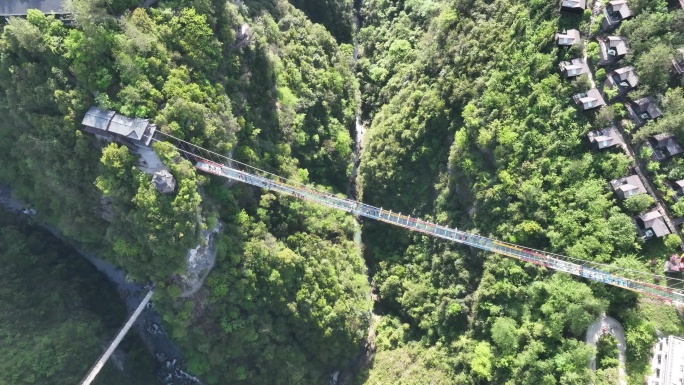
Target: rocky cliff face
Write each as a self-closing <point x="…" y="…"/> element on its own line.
<point x="200" y="261"/>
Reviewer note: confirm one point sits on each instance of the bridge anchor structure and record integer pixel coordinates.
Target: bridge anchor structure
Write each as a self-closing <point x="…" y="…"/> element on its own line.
<point x="642" y="282"/>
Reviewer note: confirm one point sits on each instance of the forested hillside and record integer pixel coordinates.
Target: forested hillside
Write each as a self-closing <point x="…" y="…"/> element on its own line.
<point x="55" y="311"/>
<point x="469" y="124"/>
<point x="472" y="125"/>
<point x="288" y="301"/>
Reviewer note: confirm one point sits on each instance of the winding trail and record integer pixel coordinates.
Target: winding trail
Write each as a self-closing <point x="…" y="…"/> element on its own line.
<point x="611" y="326"/>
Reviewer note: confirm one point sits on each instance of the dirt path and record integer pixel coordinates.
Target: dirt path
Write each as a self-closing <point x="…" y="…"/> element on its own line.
<point x="612" y="326"/>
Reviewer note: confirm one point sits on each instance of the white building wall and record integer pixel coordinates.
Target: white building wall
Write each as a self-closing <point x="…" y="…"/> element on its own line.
<point x="667" y="363"/>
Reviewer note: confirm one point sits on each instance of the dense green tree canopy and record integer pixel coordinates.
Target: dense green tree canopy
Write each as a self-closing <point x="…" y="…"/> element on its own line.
<point x="468" y="124"/>
<point x="56" y="312"/>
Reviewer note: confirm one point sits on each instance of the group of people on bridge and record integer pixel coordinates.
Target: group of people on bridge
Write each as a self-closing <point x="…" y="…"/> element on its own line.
<point x="675" y="264"/>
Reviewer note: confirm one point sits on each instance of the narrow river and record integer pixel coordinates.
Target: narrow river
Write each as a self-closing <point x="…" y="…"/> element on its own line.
<point x="346" y="375"/>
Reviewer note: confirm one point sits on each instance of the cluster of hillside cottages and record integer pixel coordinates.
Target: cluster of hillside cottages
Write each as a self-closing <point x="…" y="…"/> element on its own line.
<point x="620" y="80"/>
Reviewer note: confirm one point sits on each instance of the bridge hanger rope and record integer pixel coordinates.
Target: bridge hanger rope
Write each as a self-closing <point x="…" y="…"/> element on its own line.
<point x="215" y="155"/>
<point x="606" y="273"/>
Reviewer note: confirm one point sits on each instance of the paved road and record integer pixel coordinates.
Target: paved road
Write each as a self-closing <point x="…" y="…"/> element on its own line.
<point x="644" y="179"/>
<point x="613" y="327"/>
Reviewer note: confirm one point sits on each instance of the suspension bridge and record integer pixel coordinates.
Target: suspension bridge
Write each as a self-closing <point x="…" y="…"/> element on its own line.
<point x="642" y="282"/>
<point x="213" y="163"/>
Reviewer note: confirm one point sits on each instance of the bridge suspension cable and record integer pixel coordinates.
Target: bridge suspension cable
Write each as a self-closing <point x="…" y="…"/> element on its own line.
<point x="642" y="282"/>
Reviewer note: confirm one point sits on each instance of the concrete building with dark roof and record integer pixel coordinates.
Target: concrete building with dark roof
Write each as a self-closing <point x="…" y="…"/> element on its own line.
<point x="604" y="138"/>
<point x="622" y="79"/>
<point x="678" y="187"/>
<point x="112" y="126"/>
<point x="612" y="49"/>
<point x="589" y="100"/>
<point x="573" y="68"/>
<point x="628" y="186"/>
<point x="614" y="13"/>
<point x="678" y="61"/>
<point x="643" y="110"/>
<point x="568" y="37"/>
<point x="164" y="182"/>
<point x="136" y="134"/>
<point x="651" y="224"/>
<point x="574" y="6"/>
<point x="664" y="146"/>
<point x="667" y="358"/>
<point x="21" y="7"/>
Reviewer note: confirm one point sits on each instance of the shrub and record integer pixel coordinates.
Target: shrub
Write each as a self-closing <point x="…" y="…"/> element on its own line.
<point x="607" y="352"/>
<point x="672" y="241"/>
<point x="601" y="74"/>
<point x="610" y="93"/>
<point x="645" y="153"/>
<point x="592" y="48"/>
<point x="619" y="109"/>
<point x="678" y="208"/>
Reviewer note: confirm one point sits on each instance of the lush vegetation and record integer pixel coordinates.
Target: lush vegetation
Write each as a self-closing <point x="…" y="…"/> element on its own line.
<point x="56" y="314"/>
<point x="469" y="124"/>
<point x="607" y="360"/>
<point x="655" y="35"/>
<point x="289" y="300"/>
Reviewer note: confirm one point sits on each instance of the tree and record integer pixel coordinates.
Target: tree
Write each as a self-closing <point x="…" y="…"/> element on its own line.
<point x="336" y="15"/>
<point x="653" y="67"/>
<point x="593" y="49"/>
<point x="52" y="297"/>
<point x="673" y="118"/>
<point x="604" y="117"/>
<point x="581" y="83"/>
<point x="615" y="165"/>
<point x="482" y="360"/>
<point x="645" y="153"/>
<point x="641" y="5"/>
<point x="622" y="230"/>
<point x="194" y="40"/>
<point x="640" y="335"/>
<point x="608" y="376"/>
<point x="611" y="93"/>
<point x="638" y="203"/>
<point x="505" y="335"/>
<point x="28" y="36"/>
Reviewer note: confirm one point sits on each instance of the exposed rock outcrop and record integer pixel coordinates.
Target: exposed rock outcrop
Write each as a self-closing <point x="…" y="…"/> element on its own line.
<point x="200" y="261"/>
